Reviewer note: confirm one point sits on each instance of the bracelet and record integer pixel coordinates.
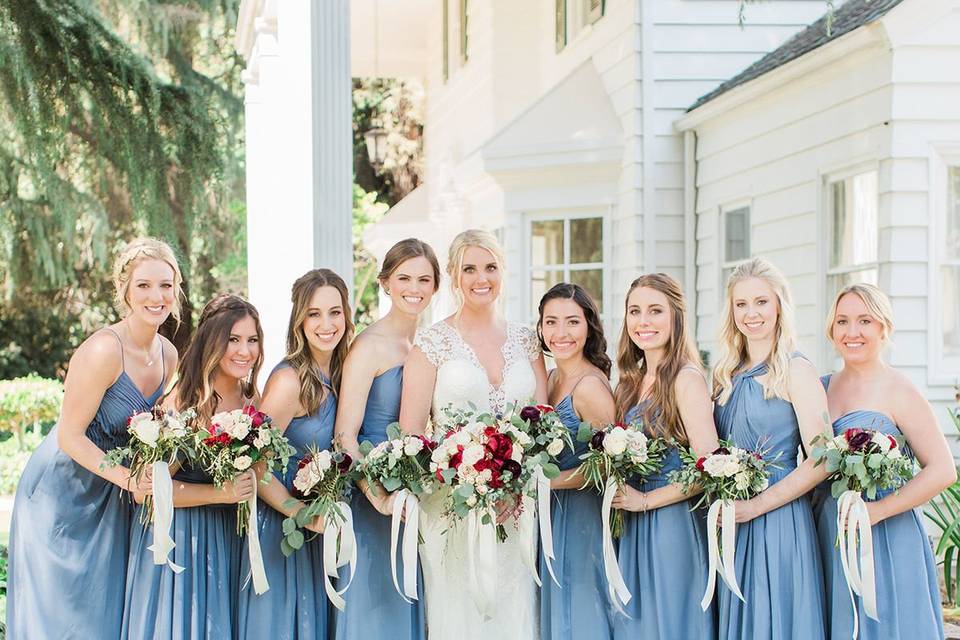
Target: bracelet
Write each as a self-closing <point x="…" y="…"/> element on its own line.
<point x="643" y="503"/>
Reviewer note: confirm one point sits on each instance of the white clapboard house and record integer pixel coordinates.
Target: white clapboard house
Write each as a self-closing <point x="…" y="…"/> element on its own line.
<point x="601" y="140"/>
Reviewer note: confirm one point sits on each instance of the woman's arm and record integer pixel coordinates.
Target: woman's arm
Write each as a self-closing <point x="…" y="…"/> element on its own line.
<point x="810" y="404"/>
<point x="593" y="402"/>
<point x="937" y="471"/>
<point x="419" y="379"/>
<point x="540" y="373"/>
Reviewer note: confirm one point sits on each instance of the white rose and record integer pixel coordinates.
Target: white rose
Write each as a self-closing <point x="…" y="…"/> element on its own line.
<point x="242" y="463"/>
<point x="262" y="439"/>
<point x="460" y="437"/>
<point x="894" y="453"/>
<point x="764" y="484"/>
<point x="302" y="481"/>
<point x="413" y="446"/>
<point x="396" y="445"/>
<point x="467" y="474"/>
<point x="742" y="481"/>
<point x="225" y="420"/>
<point x="882" y="441"/>
<point x="516" y="454"/>
<point x="720" y="466"/>
<point x="615" y="442"/>
<point x="175" y="428"/>
<point x="472" y="500"/>
<point x="555" y="447"/>
<point x="840" y="442"/>
<point x="439" y="455"/>
<point x="523" y="439"/>
<point x="482" y="488"/>
<point x="323" y="460"/>
<point x="239" y="429"/>
<point x="146" y="429"/>
<point x="473" y="454"/>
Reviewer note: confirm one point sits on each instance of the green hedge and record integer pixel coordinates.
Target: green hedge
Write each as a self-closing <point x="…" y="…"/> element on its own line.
<point x="27" y="402"/>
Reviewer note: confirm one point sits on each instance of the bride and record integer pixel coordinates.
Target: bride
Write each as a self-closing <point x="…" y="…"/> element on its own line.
<point x="474" y="356"/>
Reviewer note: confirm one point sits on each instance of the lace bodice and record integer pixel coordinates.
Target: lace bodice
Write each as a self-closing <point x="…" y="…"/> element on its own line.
<point x="461" y="378"/>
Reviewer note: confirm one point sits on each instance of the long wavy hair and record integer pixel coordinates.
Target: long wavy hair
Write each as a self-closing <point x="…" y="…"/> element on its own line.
<point x="199" y="365"/>
<point x="733" y="344"/>
<point x="661" y="415"/>
<point x="313" y="387"/>
<point x="595" y="347"/>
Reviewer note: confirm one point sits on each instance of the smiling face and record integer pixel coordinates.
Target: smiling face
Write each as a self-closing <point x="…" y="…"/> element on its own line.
<point x="324" y="324"/>
<point x="755" y="309"/>
<point x="649" y="319"/>
<point x="243" y="349"/>
<point x="564" y="328"/>
<point x="479" y="280"/>
<point x="151" y="292"/>
<point x="857" y="335"/>
<point x="411" y="285"/>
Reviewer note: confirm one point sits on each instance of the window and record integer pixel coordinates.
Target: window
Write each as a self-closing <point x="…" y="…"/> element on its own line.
<point x="573" y="15"/>
<point x="566" y="250"/>
<point x="852" y="224"/>
<point x="463" y="32"/>
<point x="949" y="267"/>
<point x="735" y="240"/>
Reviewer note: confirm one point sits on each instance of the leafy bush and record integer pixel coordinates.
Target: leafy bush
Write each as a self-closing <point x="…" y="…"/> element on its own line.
<point x="30" y="401"/>
<point x="944" y="512"/>
<point x="39" y="334"/>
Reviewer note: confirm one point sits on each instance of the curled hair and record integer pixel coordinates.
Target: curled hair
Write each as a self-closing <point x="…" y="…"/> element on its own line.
<point x="595" y="347"/>
<point x="405" y="250"/>
<point x="661" y="415"/>
<point x="313" y="385"/>
<point x="199" y="365"/>
<point x="463" y="241"/>
<point x="733" y="344"/>
<point x="876" y="302"/>
<point x="135" y="252"/>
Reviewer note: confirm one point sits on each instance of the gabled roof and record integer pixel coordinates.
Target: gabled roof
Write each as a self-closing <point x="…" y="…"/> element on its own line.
<point x="847" y="17"/>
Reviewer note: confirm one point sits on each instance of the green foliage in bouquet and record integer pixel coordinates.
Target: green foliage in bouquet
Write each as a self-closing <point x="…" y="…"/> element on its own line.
<point x="398" y="469"/>
<point x="862" y="460"/>
<point x="323" y="479"/>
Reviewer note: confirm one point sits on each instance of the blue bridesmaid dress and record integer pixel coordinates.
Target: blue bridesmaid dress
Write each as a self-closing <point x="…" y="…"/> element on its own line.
<point x="663" y="559"/>
<point x="374" y="609"/>
<point x="70" y="533"/>
<point x="580" y="607"/>
<point x="778" y="563"/>
<point x="200" y="602"/>
<point x="296" y="606"/>
<point x="908" y="595"/>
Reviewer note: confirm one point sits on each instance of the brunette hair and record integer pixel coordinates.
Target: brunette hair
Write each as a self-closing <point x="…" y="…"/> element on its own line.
<point x="197" y="369"/>
<point x="595" y="348"/>
<point x="405" y="250"/>
<point x="313" y="386"/>
<point x="661" y="415"/>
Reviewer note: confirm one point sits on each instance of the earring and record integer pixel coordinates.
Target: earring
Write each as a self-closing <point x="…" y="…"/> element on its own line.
<point x="386" y="291"/>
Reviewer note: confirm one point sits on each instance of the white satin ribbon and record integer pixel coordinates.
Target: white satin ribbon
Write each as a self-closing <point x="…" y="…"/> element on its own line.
<point x="163" y="544"/>
<point x="616" y="586"/>
<point x="257" y="570"/>
<point x="482" y="562"/>
<point x="335" y="532"/>
<point x="723" y="563"/>
<point x="528" y="538"/>
<point x="857" y="560"/>
<point x="405" y="499"/>
<point x="546" y="525"/>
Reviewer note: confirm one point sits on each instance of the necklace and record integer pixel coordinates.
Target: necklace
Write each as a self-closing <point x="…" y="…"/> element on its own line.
<point x="147" y="356"/>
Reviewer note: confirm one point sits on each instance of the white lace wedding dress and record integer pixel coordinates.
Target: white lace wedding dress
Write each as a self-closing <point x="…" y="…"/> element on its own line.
<point x="451" y="611"/>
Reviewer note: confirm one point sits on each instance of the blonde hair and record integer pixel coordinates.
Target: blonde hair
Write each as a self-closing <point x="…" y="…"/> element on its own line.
<point x="876" y="302"/>
<point x="733" y="344"/>
<point x="662" y="415"/>
<point x="135" y="252"/>
<point x="459" y="245"/>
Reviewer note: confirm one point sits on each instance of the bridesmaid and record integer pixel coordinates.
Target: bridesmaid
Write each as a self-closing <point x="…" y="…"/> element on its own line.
<point x="663" y="549"/>
<point x="70" y="531"/>
<point x="301" y="397"/>
<point x="868" y="393"/>
<point x="372" y="382"/>
<point x="216" y="374"/>
<point x="768" y="396"/>
<point x="571" y="331"/>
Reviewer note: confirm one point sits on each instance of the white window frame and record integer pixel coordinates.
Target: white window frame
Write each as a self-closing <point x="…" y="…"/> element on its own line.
<point x="724" y="264"/>
<point x="941" y="370"/>
<point x="566" y="215"/>
<point x="579" y="10"/>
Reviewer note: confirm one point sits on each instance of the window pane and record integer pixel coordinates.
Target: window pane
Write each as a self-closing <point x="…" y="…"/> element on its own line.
<point x="546" y="242"/>
<point x="592" y="281"/>
<point x="952" y="229"/>
<point x="950" y="297"/>
<point x="540" y="283"/>
<point x="586" y="240"/>
<point x="737" y="235"/>
<point x="854" y="224"/>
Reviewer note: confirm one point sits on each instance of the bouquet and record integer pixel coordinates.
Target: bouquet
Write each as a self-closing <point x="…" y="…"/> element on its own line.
<point x="860" y="461"/>
<point x="728" y="473"/>
<point x="157" y="439"/>
<point x="234" y="442"/>
<point x="402" y="464"/>
<point x="323" y="481"/>
<point x="616" y="453"/>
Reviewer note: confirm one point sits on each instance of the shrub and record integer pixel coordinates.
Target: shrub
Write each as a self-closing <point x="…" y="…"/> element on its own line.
<point x="30" y="401"/>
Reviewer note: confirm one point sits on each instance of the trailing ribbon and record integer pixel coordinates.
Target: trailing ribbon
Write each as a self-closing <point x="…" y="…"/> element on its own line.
<point x="616" y="587"/>
<point x="260" y="584"/>
<point x="338" y="534"/>
<point x="724" y="563"/>
<point x="546" y="526"/>
<point x="402" y="499"/>
<point x="853" y="519"/>
<point x="527" y="540"/>
<point x="163" y="544"/>
<point x="482" y="562"/>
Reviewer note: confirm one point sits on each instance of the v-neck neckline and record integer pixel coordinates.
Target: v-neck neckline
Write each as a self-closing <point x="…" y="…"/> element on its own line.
<point x="475" y="359"/>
